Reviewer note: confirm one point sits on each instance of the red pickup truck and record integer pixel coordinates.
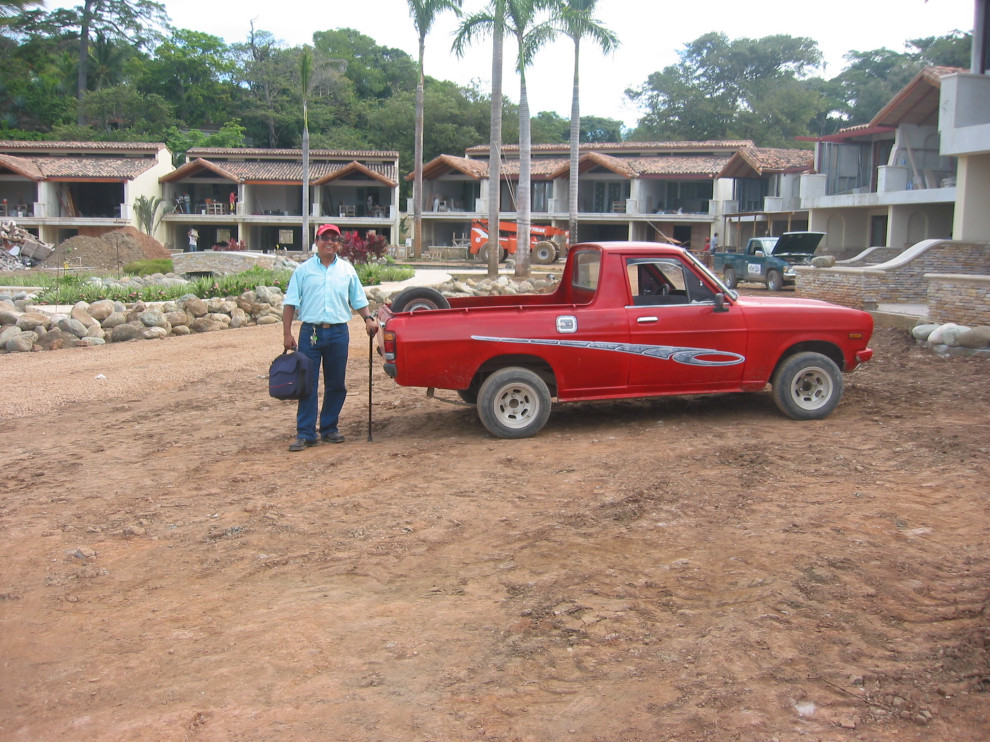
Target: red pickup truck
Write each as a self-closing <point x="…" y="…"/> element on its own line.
<point x="629" y="319"/>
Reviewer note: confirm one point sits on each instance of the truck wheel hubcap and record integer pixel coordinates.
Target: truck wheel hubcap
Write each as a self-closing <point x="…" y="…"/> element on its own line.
<point x="516" y="405"/>
<point x="811" y="388"/>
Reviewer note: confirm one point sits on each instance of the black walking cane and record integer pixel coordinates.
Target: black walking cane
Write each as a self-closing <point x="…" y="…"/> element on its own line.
<point x="371" y="366"/>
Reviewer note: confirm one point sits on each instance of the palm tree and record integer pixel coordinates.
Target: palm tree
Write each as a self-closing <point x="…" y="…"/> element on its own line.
<point x="530" y="37"/>
<point x="577" y="22"/>
<point x="10" y="8"/>
<point x="305" y="76"/>
<point x="491" y="20"/>
<point x="146" y="209"/>
<point x="424" y="13"/>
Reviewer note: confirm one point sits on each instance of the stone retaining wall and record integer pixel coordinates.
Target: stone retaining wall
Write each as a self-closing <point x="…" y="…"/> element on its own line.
<point x="958" y="298"/>
<point x="901" y="280"/>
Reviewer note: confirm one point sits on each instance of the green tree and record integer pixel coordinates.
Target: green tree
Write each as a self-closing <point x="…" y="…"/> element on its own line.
<point x="194" y="71"/>
<point x="137" y="22"/>
<point x="577" y="21"/>
<point x="723" y="89"/>
<point x="955" y="49"/>
<point x="179" y="141"/>
<point x="424" y="14"/>
<point x="124" y="107"/>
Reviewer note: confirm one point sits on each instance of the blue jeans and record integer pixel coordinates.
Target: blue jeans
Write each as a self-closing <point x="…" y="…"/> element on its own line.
<point x="330" y="352"/>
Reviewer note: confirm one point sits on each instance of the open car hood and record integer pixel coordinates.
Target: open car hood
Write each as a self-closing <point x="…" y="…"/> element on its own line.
<point x="797" y="244"/>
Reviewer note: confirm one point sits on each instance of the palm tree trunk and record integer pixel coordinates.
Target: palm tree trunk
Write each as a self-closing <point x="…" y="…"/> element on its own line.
<point x="418" y="177"/>
<point x="523" y="213"/>
<point x="306" y="242"/>
<point x="495" y="155"/>
<point x="572" y="205"/>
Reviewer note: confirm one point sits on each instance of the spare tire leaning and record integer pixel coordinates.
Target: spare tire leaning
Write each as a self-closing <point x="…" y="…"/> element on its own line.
<point x="417" y="298"/>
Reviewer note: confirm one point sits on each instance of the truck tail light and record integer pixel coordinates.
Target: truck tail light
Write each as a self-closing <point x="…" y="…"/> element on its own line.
<point x="388" y="345"/>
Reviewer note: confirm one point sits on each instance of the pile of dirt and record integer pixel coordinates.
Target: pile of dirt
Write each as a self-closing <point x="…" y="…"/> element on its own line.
<point x="109" y="252"/>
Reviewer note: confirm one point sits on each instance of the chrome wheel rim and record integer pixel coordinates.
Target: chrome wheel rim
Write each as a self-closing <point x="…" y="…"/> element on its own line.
<point x="812" y="388"/>
<point x="516" y="406"/>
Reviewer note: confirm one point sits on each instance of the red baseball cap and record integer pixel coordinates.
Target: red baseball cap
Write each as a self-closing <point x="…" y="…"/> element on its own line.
<point x="328" y="228"/>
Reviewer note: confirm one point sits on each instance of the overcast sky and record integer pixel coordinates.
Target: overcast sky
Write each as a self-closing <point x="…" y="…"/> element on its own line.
<point x="651" y="33"/>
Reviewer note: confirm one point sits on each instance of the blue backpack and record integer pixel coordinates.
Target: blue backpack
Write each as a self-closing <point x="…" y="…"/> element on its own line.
<point x="289" y="376"/>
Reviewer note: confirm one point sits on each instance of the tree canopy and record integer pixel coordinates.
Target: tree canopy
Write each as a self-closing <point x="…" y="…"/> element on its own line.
<point x="145" y="80"/>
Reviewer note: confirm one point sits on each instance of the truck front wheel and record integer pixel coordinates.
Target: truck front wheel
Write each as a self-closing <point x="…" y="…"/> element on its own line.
<point x="775" y="281"/>
<point x="729" y="278"/>
<point x="807" y="386"/>
<point x="514" y="402"/>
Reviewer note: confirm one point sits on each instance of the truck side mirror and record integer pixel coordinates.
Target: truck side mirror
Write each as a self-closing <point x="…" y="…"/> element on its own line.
<point x="720" y="303"/>
<point x="758" y="254"/>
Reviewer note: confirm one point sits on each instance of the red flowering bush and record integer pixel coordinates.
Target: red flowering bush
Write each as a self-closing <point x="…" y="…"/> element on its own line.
<point x="359" y="250"/>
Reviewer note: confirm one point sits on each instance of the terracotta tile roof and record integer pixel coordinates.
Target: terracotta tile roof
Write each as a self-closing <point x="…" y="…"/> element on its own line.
<point x="544" y="169"/>
<point x="642" y="148"/>
<point x="81" y="147"/>
<point x="444" y="164"/>
<point x="240" y="153"/>
<point x="285" y="165"/>
<point x="92" y="168"/>
<point x="756" y="161"/>
<point x="917" y="102"/>
<point x="21" y="166"/>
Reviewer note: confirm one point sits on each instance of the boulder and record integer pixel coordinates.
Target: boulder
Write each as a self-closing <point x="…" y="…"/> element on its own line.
<point x="153" y="318"/>
<point x="34" y="321"/>
<point x="127" y="331"/>
<point x="9" y="333"/>
<point x="10" y="315"/>
<point x="22" y="342"/>
<point x="74" y="326"/>
<point x="114" y="320"/>
<point x="80" y="313"/>
<point x="100" y="310"/>
<point x="976" y="338"/>
<point x="52" y="339"/>
<point x="195" y="307"/>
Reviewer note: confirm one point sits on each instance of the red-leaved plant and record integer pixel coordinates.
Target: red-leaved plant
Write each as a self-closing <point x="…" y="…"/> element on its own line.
<point x="357" y="249"/>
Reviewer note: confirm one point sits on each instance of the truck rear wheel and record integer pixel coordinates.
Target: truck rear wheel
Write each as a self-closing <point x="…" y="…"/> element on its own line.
<point x="775" y="281"/>
<point x="807" y="386"/>
<point x="729" y="278"/>
<point x="417" y="298"/>
<point x="544" y="252"/>
<point x="514" y="402"/>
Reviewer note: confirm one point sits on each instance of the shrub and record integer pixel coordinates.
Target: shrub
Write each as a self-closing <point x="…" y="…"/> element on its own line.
<point x="360" y="250"/>
<point x="148" y="267"/>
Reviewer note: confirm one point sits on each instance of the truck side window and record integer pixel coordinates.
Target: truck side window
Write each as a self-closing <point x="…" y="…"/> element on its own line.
<point x="661" y="281"/>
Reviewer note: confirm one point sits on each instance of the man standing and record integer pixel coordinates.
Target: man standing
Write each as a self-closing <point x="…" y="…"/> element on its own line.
<point x="324" y="290"/>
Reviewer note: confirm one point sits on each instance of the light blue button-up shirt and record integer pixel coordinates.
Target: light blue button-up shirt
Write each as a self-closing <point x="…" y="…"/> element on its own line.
<point x="325" y="294"/>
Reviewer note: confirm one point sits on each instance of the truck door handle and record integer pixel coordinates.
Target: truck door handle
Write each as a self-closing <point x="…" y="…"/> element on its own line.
<point x="647" y="320"/>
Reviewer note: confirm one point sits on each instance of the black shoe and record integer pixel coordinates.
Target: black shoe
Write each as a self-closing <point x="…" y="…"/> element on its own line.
<point x="301" y="443"/>
<point x="332" y="437"/>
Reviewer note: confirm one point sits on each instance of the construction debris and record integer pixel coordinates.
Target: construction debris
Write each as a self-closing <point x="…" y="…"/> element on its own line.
<point x="20" y="247"/>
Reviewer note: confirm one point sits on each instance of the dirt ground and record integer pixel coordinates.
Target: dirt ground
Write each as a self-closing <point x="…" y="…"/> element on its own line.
<point x="666" y="569"/>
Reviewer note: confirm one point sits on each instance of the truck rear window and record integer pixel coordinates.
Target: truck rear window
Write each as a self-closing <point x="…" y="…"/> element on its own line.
<point x="587" y="265"/>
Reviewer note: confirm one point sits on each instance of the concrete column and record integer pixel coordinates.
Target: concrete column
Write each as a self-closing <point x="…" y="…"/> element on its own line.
<point x="972" y="218"/>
